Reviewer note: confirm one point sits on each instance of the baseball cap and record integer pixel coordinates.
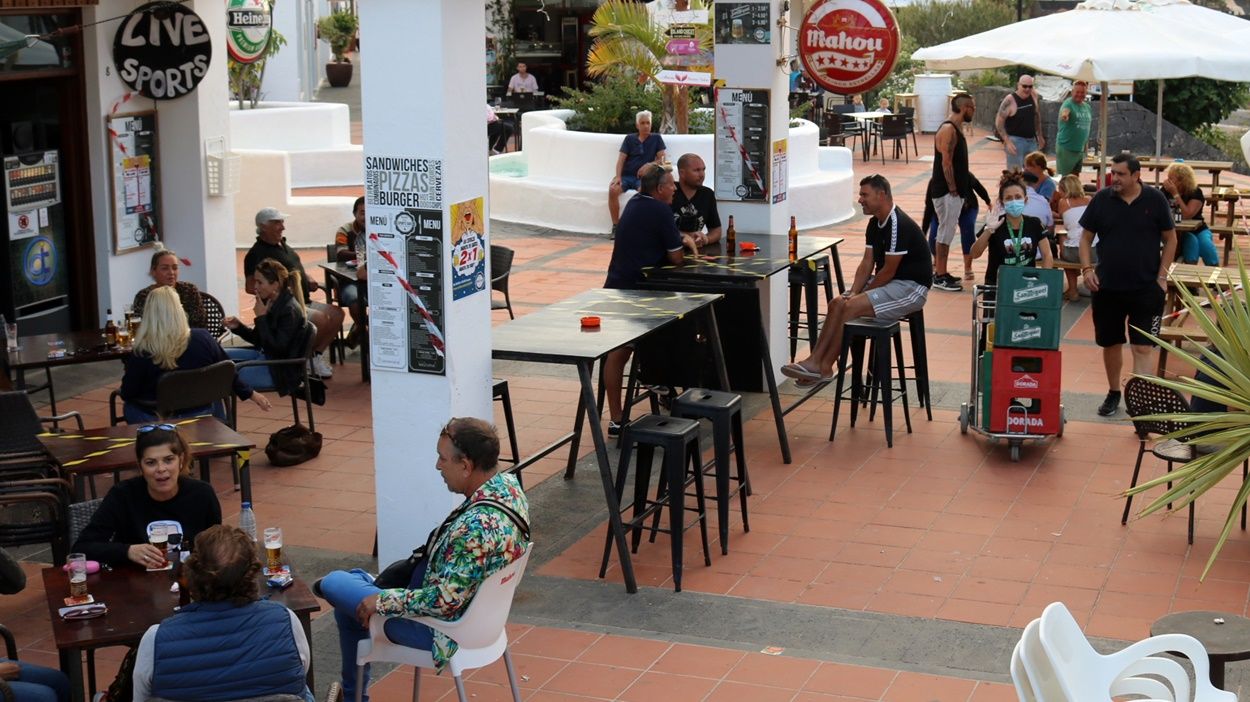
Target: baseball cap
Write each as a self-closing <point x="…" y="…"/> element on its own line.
<point x="269" y="214"/>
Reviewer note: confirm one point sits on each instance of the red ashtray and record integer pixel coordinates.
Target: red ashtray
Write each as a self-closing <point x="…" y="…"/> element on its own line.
<point x="590" y="322"/>
<point x="748" y="247"/>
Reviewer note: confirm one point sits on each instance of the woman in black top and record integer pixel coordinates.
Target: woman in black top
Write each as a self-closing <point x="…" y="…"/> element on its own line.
<point x="1017" y="239"/>
<point x="163" y="495"/>
<point x="1185" y="197"/>
<point x="280" y="328"/>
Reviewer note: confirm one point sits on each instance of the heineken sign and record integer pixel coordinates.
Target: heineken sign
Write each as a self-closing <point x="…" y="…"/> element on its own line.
<point x="248" y="25"/>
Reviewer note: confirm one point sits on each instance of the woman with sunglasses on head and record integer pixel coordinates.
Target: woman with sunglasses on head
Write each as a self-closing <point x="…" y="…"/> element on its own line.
<point x="163" y="495"/>
<point x="165" y="343"/>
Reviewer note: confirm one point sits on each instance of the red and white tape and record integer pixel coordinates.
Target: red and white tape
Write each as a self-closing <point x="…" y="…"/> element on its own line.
<point x="436" y="334"/>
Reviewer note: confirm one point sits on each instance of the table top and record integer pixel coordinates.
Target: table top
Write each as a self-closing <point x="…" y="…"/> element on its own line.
<point x="112" y="448"/>
<point x="1194" y="274"/>
<point x="339" y="269"/>
<point x="867" y="115"/>
<point x="80" y="347"/>
<point x="712" y="263"/>
<point x="554" y="333"/>
<point x="499" y="110"/>
<point x="136" y="600"/>
<point x="1161" y="163"/>
<point x="1229" y="641"/>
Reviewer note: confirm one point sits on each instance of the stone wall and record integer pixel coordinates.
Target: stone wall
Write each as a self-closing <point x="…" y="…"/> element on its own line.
<point x="1129" y="126"/>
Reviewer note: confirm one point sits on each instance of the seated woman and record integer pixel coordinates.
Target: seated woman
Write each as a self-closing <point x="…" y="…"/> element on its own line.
<point x="280" y="319"/>
<point x="163" y="343"/>
<point x="1017" y="239"/>
<point x="1036" y="164"/>
<point x="29" y="683"/>
<point x="1181" y="188"/>
<point x="227" y="644"/>
<point x="1072" y="201"/>
<point x="164" y="495"/>
<point x="164" y="270"/>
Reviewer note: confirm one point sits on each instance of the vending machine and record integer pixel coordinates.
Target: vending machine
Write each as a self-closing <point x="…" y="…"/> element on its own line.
<point x="36" y="289"/>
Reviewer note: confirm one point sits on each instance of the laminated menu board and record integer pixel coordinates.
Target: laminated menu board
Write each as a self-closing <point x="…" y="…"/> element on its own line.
<point x="742" y="144"/>
<point x="136" y="181"/>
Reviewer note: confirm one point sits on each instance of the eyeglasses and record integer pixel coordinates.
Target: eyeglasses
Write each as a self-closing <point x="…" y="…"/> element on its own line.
<point x="153" y="427"/>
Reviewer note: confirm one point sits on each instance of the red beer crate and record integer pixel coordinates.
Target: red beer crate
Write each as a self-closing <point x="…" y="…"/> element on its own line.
<point x="1024" y="391"/>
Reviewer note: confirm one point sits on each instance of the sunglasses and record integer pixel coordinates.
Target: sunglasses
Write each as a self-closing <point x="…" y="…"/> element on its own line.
<point x="1027" y="86"/>
<point x="153" y="427"/>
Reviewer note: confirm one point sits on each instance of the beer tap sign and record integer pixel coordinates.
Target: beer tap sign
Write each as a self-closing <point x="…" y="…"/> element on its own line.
<point x="848" y="46"/>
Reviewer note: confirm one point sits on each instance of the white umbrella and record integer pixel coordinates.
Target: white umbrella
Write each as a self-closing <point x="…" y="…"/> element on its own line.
<point x="1103" y="40"/>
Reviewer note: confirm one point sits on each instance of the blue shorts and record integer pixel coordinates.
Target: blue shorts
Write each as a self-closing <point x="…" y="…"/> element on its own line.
<point x="630" y="182"/>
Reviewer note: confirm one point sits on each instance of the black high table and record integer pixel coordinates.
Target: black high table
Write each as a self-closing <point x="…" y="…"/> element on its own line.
<point x="716" y="271"/>
<point x="554" y="335"/>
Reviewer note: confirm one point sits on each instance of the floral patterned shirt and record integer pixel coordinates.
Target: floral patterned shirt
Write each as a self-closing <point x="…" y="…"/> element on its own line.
<point x="478" y="543"/>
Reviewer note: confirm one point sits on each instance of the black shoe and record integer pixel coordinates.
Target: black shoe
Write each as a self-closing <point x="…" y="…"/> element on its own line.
<point x="614" y="429"/>
<point x="1110" y="405"/>
<point x="948" y="282"/>
<point x="316" y="588"/>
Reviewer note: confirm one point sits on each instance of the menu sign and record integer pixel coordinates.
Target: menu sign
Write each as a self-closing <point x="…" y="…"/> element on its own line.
<point x="423" y="234"/>
<point x="743" y="23"/>
<point x="742" y="147"/>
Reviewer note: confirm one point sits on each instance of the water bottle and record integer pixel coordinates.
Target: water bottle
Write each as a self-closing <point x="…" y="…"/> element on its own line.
<point x="247" y="521"/>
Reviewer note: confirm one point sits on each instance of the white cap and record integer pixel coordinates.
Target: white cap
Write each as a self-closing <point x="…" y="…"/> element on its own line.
<point x="269" y="214"/>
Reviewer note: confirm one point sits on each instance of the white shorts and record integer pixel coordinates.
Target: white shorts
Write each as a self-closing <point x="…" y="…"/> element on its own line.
<point x="897" y="299"/>
<point x="947" y="209"/>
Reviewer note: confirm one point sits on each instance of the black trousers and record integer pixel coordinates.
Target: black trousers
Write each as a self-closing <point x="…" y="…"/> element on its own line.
<point x="497" y="135"/>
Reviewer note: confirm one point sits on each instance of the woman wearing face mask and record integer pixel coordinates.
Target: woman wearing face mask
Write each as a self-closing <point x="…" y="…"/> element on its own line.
<point x="1017" y="239"/>
<point x="279" y="328"/>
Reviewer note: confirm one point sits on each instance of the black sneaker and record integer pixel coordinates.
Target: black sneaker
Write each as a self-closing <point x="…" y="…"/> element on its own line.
<point x="1110" y="405"/>
<point x="948" y="282"/>
<point x="614" y="429"/>
<point x="612" y="234"/>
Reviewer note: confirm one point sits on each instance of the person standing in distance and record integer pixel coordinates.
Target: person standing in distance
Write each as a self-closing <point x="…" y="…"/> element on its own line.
<point x="1136" y="245"/>
<point x="1019" y="123"/>
<point x="694" y="205"/>
<point x="1073" y="135"/>
<point x="950" y="188"/>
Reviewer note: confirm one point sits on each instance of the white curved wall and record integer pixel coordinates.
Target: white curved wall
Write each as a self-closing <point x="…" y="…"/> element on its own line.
<point x="316" y="136"/>
<point x="568" y="173"/>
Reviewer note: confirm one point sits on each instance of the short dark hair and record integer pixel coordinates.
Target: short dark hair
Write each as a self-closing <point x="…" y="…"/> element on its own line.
<point x="1134" y="166"/>
<point x="223" y="566"/>
<point x="474" y="439"/>
<point x="685" y="160"/>
<point x="960" y="101"/>
<point x="651" y="175"/>
<point x="156" y="436"/>
<point x="360" y="202"/>
<point x="878" y="183"/>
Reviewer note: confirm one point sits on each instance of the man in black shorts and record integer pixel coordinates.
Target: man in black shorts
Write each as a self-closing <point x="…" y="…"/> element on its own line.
<point x="1136" y="243"/>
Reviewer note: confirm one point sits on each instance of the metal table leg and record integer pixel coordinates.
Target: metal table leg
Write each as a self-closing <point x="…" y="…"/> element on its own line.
<point x="605" y="472"/>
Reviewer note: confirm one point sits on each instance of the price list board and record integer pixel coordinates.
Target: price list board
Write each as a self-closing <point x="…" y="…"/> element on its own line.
<point x="424" y="254"/>
<point x="742" y="146"/>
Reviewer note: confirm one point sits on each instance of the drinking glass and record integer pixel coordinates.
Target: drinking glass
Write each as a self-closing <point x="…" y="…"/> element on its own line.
<point x="77" y="575"/>
<point x="10" y="334"/>
<point x="273" y="548"/>
<point x="159" y="537"/>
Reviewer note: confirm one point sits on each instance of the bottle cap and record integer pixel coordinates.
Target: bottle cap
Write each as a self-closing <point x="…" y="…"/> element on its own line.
<point x="247" y="505"/>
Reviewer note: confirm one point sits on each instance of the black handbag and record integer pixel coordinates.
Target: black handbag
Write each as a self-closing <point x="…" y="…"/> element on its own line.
<point x="293" y="445"/>
<point x="399" y="573"/>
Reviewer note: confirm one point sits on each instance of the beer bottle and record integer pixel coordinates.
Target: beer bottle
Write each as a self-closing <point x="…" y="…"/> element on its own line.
<point x="794" y="241"/>
<point x="110" y="328"/>
<point x="731" y="237"/>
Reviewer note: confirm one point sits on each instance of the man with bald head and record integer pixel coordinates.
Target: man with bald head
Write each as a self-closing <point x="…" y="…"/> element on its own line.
<point x="1019" y="123"/>
<point x="694" y="204"/>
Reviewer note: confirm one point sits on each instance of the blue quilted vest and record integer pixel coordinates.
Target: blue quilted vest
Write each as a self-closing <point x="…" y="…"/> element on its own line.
<point x="214" y="651"/>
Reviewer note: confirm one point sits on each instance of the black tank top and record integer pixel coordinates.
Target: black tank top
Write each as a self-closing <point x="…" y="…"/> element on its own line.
<point x="1022" y="124"/>
<point x="959" y="159"/>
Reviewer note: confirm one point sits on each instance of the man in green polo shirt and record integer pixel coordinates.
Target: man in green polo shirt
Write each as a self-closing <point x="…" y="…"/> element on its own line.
<point x="1074" y="117"/>
<point x="270" y="223"/>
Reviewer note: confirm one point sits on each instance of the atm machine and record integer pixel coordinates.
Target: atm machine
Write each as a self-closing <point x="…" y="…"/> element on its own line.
<point x="35" y="291"/>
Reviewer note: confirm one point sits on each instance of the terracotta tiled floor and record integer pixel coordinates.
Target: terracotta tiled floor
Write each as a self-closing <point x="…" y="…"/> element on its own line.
<point x="942" y="526"/>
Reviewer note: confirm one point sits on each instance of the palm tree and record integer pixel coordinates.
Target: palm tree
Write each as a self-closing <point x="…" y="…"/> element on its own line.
<point x="629" y="43"/>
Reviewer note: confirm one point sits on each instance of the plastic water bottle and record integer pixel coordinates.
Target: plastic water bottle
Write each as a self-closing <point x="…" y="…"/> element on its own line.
<point x="247" y="520"/>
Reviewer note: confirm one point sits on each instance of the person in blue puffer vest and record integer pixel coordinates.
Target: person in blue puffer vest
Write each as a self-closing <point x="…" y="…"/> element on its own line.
<point x="227" y="644"/>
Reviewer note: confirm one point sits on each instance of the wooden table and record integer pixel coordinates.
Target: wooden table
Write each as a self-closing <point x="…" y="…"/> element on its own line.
<point x="344" y="273"/>
<point x="1193" y="277"/>
<point x="553" y="334"/>
<point x="136" y="600"/>
<point x="97" y="451"/>
<point x="1229" y="197"/>
<point x="716" y="271"/>
<point x="80" y="347"/>
<point x="1226" y="641"/>
<point x="1158" y="165"/>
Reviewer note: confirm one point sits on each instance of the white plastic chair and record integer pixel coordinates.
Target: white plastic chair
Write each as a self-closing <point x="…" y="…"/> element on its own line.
<point x="1084" y="675"/>
<point x="480" y="634"/>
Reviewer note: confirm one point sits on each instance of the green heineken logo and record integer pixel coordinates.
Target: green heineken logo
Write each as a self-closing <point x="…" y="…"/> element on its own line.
<point x="247" y="29"/>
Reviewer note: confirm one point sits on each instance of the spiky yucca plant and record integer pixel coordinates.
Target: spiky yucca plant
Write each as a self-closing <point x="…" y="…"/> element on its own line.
<point x="1226" y="360"/>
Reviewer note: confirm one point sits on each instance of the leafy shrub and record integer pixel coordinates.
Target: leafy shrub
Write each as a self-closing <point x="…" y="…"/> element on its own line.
<point x="1224" y="140"/>
<point x="610" y="105"/>
<point x="1190" y="103"/>
<point x="939" y="21"/>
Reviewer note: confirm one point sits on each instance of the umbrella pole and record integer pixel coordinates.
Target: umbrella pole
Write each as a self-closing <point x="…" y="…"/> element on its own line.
<point x="1159" y="126"/>
<point x="1102" y="133"/>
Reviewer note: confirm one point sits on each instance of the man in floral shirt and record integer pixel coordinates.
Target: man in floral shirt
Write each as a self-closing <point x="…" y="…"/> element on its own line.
<point x="486" y="532"/>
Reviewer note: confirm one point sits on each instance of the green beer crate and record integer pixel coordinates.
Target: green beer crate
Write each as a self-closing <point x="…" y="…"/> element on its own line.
<point x="1026" y="327"/>
<point x="1034" y="288"/>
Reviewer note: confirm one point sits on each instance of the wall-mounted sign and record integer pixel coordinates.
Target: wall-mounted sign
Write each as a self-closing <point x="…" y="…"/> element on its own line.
<point x="742" y="23"/>
<point x="742" y="144"/>
<point x="162" y="50"/>
<point x="136" y="181"/>
<point x="248" y="28"/>
<point x="848" y="46"/>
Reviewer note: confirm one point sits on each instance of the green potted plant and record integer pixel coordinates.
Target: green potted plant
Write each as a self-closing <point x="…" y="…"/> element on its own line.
<point x="339" y="30"/>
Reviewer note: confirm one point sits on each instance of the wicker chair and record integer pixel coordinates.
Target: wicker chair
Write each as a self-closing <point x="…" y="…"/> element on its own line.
<point x="214" y="315"/>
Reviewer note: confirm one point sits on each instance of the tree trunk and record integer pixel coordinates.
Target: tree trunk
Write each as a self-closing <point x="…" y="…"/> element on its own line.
<point x="668" y="116"/>
<point x="683" y="109"/>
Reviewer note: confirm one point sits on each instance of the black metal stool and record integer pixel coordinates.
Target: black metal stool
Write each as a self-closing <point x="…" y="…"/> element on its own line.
<point x="882" y="336"/>
<point x="919" y="361"/>
<point x="499" y="392"/>
<point x="683" y="463"/>
<point x="724" y="410"/>
<point x="802" y="291"/>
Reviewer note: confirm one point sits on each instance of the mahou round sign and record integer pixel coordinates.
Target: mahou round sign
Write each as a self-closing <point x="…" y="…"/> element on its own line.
<point x="848" y="46"/>
<point x="247" y="29"/>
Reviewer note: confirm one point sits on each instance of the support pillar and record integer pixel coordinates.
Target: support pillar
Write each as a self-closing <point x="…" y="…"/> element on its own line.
<point x="423" y="95"/>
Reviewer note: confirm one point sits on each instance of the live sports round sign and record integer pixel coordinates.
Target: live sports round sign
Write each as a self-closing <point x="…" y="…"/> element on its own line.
<point x="162" y="50"/>
<point x="248" y="27"/>
<point x="848" y="46"/>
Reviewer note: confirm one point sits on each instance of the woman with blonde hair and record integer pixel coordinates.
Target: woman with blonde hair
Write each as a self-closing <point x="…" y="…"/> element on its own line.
<point x="1072" y="201"/>
<point x="1181" y="188"/>
<point x="165" y="342"/>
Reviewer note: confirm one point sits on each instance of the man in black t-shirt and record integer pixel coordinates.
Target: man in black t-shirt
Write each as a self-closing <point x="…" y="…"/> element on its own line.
<point x="694" y="205"/>
<point x="1136" y="244"/>
<point x="892" y="280"/>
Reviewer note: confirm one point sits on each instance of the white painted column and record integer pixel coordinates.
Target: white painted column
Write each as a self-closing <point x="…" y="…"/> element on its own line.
<point x="423" y="97"/>
<point x="755" y="66"/>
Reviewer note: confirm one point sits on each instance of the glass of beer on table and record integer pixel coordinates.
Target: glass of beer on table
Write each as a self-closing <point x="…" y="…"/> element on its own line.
<point x="273" y="548"/>
<point x="133" y="324"/>
<point x="77" y="575"/>
<point x="158" y="536"/>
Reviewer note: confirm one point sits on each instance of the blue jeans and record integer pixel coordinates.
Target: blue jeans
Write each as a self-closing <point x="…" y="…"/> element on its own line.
<point x="344" y="590"/>
<point x="349" y="293"/>
<point x="967" y="230"/>
<point x="36" y="683"/>
<point x="1023" y="148"/>
<point x="1199" y="244"/>
<point x="258" y="377"/>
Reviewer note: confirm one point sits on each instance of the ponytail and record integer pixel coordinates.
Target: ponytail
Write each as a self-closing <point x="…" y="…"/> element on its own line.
<point x="295" y="286"/>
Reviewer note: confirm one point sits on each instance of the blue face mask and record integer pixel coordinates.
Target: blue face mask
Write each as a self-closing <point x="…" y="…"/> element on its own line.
<point x="1014" y="208"/>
